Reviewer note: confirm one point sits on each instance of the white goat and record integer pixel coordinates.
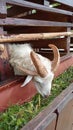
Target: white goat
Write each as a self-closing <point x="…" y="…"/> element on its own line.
<point x="38" y="68"/>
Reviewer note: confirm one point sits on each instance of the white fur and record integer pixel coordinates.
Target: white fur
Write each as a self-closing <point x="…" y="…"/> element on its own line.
<point x="20" y="55"/>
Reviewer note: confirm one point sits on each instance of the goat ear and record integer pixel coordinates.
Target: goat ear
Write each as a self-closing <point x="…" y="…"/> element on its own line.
<point x="27" y="80"/>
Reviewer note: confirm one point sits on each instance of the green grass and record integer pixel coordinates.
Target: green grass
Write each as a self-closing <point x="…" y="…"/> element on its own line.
<point x="15" y="117"/>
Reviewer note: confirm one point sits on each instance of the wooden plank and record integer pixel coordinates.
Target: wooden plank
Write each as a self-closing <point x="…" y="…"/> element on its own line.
<point x="66" y="2"/>
<point x="52" y="124"/>
<point x="38" y="7"/>
<point x="3" y="11"/>
<point x="28" y="22"/>
<point x="65" y="112"/>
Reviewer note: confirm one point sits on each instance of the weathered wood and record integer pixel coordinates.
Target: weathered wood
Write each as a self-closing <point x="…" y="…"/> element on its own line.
<point x="28" y="22"/>
<point x="35" y="36"/>
<point x="52" y="124"/>
<point x="65" y="114"/>
<point x="3" y="11"/>
<point x="38" y="7"/>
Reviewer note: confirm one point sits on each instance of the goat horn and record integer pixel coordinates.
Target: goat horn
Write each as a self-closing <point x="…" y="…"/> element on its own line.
<point x="41" y="70"/>
<point x="56" y="60"/>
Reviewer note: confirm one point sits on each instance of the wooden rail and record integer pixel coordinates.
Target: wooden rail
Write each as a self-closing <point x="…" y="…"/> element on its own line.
<point x="30" y="22"/>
